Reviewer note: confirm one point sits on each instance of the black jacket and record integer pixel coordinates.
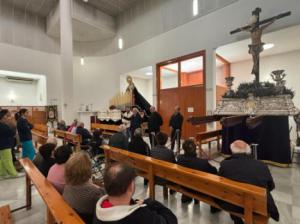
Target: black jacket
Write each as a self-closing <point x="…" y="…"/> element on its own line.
<point x="176" y="121"/>
<point x="196" y="164"/>
<point x="85" y="135"/>
<point x="42" y="164"/>
<point x="154" y="122"/>
<point x="243" y="168"/>
<point x="6" y="136"/>
<point x="119" y="140"/>
<point x="151" y="212"/>
<point x="24" y="129"/>
<point x="135" y="122"/>
<point x="165" y="154"/>
<point x="138" y="145"/>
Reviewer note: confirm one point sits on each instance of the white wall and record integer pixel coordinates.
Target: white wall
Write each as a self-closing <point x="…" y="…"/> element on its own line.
<point x="288" y="61"/>
<point x="25" y="94"/>
<point x="96" y="82"/>
<point x="18" y="59"/>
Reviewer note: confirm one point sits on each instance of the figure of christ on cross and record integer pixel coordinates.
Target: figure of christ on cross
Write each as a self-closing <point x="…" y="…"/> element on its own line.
<point x="256" y="28"/>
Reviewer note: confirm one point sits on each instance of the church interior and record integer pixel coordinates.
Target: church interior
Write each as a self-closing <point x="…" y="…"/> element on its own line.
<point x="149" y="111"/>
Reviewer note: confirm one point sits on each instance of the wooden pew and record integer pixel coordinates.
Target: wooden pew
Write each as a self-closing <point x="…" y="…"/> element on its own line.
<point x="5" y="215"/>
<point x="208" y="186"/>
<point x="39" y="134"/>
<point x="68" y="137"/>
<point x="58" y="211"/>
<point x="108" y="129"/>
<point x="207" y="138"/>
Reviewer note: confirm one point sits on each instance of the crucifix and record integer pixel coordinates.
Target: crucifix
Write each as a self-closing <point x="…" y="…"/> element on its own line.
<point x="256" y="28"/>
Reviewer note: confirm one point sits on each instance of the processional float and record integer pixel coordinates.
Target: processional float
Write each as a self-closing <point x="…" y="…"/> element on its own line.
<point x="257" y="112"/>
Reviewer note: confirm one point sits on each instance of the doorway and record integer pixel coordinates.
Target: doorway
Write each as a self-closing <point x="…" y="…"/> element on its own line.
<point x="181" y="81"/>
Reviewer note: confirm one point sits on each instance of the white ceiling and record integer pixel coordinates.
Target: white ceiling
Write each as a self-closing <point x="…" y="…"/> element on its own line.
<point x="43" y="7"/>
<point x="284" y="40"/>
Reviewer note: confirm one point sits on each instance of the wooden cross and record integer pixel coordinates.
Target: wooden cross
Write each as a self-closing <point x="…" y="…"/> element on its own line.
<point x="256" y="30"/>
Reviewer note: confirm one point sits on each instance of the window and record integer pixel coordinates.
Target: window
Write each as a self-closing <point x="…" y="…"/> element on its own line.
<point x="192" y="72"/>
<point x="169" y="76"/>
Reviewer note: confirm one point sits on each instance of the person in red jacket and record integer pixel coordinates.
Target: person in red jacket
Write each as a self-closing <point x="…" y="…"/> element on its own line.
<point x="118" y="207"/>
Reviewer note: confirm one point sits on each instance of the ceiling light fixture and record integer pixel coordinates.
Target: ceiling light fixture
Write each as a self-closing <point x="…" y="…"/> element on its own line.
<point x="85" y="0"/>
<point x="149" y="73"/>
<point x="195" y="7"/>
<point x="268" y="46"/>
<point x="82" y="61"/>
<point x="120" y="43"/>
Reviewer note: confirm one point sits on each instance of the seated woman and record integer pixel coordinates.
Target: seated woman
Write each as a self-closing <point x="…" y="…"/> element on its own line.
<point x="80" y="193"/>
<point x="56" y="174"/>
<point x="138" y="145"/>
<point x="189" y="159"/>
<point x="44" y="158"/>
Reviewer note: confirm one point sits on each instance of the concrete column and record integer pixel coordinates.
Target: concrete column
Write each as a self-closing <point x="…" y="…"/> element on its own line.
<point x="210" y="81"/>
<point x="66" y="52"/>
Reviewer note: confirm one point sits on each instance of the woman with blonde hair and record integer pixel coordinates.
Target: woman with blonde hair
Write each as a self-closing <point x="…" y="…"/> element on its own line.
<point x="79" y="192"/>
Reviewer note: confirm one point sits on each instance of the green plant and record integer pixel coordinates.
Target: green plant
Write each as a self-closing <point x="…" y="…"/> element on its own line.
<point x="262" y="89"/>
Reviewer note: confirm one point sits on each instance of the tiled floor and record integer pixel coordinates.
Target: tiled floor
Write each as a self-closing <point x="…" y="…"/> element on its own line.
<point x="286" y="194"/>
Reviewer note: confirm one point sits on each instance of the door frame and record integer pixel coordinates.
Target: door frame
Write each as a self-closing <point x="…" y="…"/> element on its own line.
<point x="178" y="60"/>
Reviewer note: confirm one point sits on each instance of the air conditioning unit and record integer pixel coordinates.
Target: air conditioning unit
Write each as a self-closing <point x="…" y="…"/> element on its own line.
<point x="19" y="79"/>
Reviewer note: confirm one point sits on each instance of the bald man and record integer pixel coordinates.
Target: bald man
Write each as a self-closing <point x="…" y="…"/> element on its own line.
<point x="242" y="167"/>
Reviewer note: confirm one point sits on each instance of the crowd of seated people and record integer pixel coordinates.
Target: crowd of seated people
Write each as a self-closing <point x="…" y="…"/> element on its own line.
<point x="71" y="173"/>
<point x="241" y="167"/>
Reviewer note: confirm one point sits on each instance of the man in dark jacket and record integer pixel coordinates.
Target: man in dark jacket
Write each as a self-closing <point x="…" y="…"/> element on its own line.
<point x="189" y="159"/>
<point x="243" y="168"/>
<point x="175" y="125"/>
<point x="138" y="145"/>
<point x="118" y="207"/>
<point x="154" y="123"/>
<point x="84" y="133"/>
<point x="135" y="120"/>
<point x="161" y="152"/>
<point x="119" y="140"/>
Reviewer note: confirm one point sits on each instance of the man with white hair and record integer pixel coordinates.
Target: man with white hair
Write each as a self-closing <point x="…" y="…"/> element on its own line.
<point x="242" y="167"/>
<point x="119" y="139"/>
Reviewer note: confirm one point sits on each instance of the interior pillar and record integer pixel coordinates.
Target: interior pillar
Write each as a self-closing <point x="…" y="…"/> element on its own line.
<point x="210" y="81"/>
<point x="66" y="52"/>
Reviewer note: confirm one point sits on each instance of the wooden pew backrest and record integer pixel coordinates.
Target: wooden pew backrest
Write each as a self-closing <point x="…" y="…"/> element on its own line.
<point x="244" y="195"/>
<point x="5" y="215"/>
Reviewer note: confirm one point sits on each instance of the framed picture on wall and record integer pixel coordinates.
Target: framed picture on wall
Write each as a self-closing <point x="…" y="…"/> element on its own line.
<point x="52" y="113"/>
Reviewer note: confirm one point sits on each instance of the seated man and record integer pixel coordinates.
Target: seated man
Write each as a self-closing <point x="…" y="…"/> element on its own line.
<point x="160" y="151"/>
<point x="243" y="168"/>
<point x="119" y="140"/>
<point x="138" y="145"/>
<point x="118" y="207"/>
<point x="189" y="159"/>
<point x="84" y="133"/>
